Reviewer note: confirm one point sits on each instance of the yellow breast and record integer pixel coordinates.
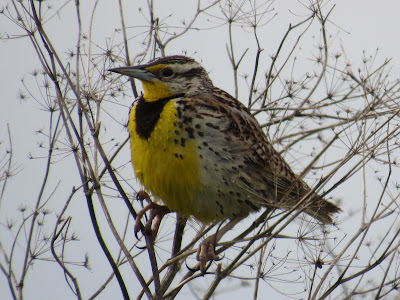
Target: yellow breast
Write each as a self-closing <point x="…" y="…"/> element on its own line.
<point x="166" y="165"/>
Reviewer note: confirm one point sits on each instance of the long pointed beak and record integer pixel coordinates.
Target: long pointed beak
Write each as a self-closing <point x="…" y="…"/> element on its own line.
<point x="135" y="72"/>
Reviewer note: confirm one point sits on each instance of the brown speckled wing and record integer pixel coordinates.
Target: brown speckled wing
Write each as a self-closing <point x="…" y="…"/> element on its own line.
<point x="233" y="137"/>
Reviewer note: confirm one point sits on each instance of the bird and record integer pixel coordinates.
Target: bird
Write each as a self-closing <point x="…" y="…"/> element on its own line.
<point x="200" y="151"/>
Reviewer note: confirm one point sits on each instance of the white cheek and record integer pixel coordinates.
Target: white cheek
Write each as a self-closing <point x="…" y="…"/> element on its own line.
<point x="181" y="85"/>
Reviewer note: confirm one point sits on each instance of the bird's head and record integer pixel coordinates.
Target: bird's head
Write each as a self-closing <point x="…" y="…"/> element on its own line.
<point x="169" y="76"/>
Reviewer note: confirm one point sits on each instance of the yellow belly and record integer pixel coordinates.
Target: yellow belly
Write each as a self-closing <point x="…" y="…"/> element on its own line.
<point x="167" y="169"/>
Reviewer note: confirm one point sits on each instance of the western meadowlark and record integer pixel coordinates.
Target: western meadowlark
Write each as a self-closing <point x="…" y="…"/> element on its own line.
<point x="201" y="152"/>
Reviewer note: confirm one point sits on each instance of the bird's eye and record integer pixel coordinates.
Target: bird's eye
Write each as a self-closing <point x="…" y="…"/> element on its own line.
<point x="167" y="72"/>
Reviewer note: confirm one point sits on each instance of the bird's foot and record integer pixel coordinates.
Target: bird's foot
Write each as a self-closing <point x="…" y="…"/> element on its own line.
<point x="157" y="212"/>
<point x="206" y="252"/>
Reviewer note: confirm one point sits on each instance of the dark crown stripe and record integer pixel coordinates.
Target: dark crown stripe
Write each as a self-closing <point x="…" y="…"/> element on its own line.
<point x="176" y="59"/>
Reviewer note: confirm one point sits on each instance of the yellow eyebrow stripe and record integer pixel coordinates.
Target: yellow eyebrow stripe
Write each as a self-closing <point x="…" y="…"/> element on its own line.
<point x="156" y="68"/>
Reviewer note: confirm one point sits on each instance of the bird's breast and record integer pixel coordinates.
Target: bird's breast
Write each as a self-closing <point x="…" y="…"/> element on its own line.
<point x="164" y="154"/>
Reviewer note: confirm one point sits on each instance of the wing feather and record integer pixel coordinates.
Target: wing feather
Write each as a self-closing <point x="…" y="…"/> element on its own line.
<point x="235" y="138"/>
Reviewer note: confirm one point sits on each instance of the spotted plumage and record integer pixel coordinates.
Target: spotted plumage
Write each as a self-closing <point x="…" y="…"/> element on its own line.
<point x="201" y="152"/>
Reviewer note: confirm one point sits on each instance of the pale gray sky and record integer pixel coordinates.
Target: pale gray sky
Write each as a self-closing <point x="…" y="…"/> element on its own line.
<point x="358" y="25"/>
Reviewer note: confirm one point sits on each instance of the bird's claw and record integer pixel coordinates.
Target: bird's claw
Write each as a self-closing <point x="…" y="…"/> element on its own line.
<point x="206" y="252"/>
<point x="157" y="212"/>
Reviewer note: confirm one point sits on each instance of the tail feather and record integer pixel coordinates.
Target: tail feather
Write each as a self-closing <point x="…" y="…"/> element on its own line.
<point x="322" y="210"/>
